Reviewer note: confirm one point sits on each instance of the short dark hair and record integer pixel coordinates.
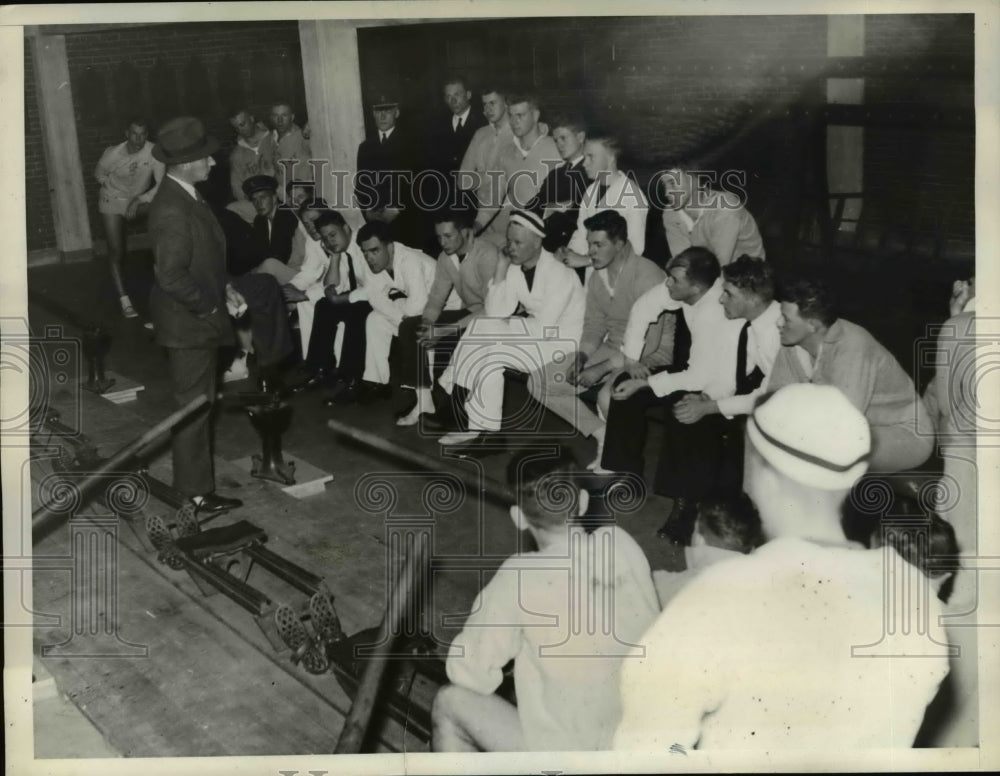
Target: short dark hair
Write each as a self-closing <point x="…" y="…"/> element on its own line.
<point x="750" y="274"/>
<point x="314" y="204"/>
<point x="700" y="264"/>
<point x="330" y="217"/>
<point x="547" y="488"/>
<point x="455" y="78"/>
<point x="137" y="121"/>
<point x="732" y="520"/>
<point x="610" y="222"/>
<point x="939" y="557"/>
<point x="462" y="218"/>
<point x="519" y="97"/>
<point x="299" y="184"/>
<point x="286" y="103"/>
<point x="812" y="295"/>
<point x="377" y="229"/>
<point x="570" y="121"/>
<point x="493" y="89"/>
<point x="607" y="139"/>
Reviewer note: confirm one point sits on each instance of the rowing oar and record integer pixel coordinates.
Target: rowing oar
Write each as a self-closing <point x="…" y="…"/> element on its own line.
<point x="45" y="520"/>
<point x="476" y="481"/>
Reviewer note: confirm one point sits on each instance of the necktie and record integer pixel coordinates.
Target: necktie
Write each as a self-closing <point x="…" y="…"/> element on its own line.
<point x="602" y="189"/>
<point x="352" y="278"/>
<point x="746" y="383"/>
<point x="381" y="138"/>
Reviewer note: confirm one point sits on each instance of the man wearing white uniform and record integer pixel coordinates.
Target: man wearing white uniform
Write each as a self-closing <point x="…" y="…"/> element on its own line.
<point x="534" y="312"/>
<point x="536" y="611"/>
<point x="611" y="190"/>
<point x="788" y="648"/>
<point x="397" y="287"/>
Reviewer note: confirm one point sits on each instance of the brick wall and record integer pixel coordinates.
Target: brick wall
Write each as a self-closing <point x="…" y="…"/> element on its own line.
<point x="922" y="180"/>
<point x="158" y="71"/>
<point x="741" y="90"/>
<point x="40" y="226"/>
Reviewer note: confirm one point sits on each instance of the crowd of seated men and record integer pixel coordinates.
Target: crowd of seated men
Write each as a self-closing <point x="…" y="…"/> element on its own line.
<point x="769" y="402"/>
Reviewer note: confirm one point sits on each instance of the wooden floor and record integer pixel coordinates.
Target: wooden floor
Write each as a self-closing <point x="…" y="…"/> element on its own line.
<point x="211" y="683"/>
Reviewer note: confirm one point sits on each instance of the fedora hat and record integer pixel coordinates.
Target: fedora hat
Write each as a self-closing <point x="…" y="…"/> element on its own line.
<point x="183" y="140"/>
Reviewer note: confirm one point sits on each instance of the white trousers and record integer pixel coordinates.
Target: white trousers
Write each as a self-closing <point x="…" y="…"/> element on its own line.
<point x="379" y="332"/>
<point x="490" y="346"/>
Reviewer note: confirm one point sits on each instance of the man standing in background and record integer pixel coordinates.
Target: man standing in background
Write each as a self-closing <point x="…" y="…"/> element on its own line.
<point x="129" y="176"/>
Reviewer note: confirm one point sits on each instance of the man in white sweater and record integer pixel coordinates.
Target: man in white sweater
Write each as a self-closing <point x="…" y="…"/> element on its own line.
<point x="567" y="615"/>
<point x="397" y="286"/>
<point x="534" y="315"/>
<point x="805" y="644"/>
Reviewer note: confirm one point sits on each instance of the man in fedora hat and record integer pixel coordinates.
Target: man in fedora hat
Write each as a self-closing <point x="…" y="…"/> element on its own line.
<point x="191" y="299"/>
<point x="792" y="647"/>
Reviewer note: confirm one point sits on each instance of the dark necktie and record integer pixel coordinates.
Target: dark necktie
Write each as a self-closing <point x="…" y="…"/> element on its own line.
<point x="746" y="383"/>
<point x="458" y="126"/>
<point x="352" y="278"/>
<point x="381" y="138"/>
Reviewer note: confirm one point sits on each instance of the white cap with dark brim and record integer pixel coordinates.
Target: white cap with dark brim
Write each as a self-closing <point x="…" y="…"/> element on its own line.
<point x="813" y="435"/>
<point x="529" y="221"/>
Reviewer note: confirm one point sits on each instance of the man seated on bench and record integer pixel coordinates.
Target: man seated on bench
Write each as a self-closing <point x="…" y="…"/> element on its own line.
<point x="549" y="611"/>
<point x="801" y="644"/>
<point x="694" y="461"/>
<point x="534" y="312"/>
<point x="820" y="347"/>
<point x="619" y="278"/>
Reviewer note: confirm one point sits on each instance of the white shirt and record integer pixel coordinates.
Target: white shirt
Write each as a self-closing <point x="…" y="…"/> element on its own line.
<point x="776" y="650"/>
<point x="763" y="344"/>
<point x="714" y="342"/>
<point x="188" y="187"/>
<point x="413" y="274"/>
<point x="383" y="136"/>
<point x="461" y="117"/>
<point x="625" y="197"/>
<point x="565" y="617"/>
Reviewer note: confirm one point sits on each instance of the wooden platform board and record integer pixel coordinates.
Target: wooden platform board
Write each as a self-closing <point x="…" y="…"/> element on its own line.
<point x="309" y="480"/>
<point x="211" y="683"/>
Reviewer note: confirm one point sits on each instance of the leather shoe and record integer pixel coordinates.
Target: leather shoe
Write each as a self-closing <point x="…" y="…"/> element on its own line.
<point x="435" y="422"/>
<point x="408" y="407"/>
<point x="344" y="392"/>
<point x="374" y="392"/>
<point x="213" y="504"/>
<point x="316" y="379"/>
<point x="680" y="522"/>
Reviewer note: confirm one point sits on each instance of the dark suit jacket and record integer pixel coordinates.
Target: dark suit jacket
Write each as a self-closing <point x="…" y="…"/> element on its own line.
<point x="189" y="264"/>
<point x="447" y="147"/>
<point x="563" y="184"/>
<point x="279" y="244"/>
<point x="373" y="187"/>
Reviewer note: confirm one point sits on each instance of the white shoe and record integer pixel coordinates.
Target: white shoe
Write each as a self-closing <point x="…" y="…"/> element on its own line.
<point x="413" y="417"/>
<point x="237" y="371"/>
<point x="127" y="309"/>
<point x="458" y="438"/>
<point x="595" y="465"/>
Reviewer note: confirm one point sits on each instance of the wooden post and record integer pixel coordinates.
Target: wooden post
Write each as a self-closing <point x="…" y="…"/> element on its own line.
<point x="59" y="141"/>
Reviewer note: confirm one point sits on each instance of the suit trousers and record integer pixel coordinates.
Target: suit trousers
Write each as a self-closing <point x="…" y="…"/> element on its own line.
<point x="192" y="374"/>
<point x="550" y="388"/>
<point x="272" y="337"/>
<point x="696" y="460"/>
<point x="324" y="332"/>
<point x="411" y="357"/>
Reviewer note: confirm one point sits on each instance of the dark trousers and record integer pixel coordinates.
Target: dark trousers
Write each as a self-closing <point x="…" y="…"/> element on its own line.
<point x="411" y="357"/>
<point x="696" y="459"/>
<point x="352" y="352"/>
<point x="192" y="374"/>
<point x="272" y="337"/>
